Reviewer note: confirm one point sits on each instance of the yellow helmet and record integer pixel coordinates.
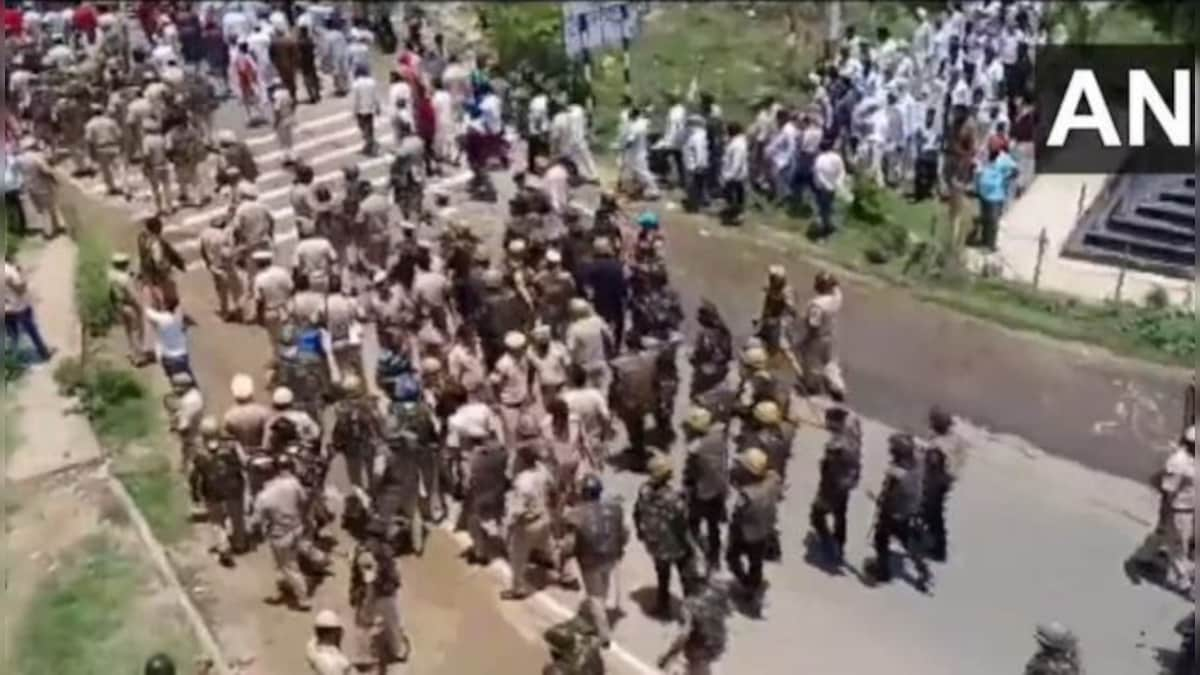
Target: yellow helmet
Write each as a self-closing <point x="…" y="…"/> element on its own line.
<point x="699" y="419"/>
<point x="659" y="466"/>
<point x="767" y="412"/>
<point x="755" y="357"/>
<point x="754" y="461"/>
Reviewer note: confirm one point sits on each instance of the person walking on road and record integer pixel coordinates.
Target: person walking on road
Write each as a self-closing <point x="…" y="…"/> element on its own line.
<point x="365" y="101"/>
<point x="1176" y="530"/>
<point x="1058" y="652"/>
<point x="660" y="514"/>
<point x="18" y="310"/>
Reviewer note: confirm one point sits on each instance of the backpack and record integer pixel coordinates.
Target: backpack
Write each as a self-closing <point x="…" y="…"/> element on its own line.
<point x="352" y="430"/>
<point x="283" y="432"/>
<point x="600" y="532"/>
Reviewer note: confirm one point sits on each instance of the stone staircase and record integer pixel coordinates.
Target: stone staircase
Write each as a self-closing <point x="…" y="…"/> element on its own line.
<point x="1150" y="224"/>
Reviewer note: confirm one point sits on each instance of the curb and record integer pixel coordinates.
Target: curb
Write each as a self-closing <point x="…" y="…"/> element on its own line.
<point x="167" y="571"/>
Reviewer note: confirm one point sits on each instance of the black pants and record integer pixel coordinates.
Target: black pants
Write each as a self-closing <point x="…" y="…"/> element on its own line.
<point x="616" y="323"/>
<point x="366" y="125"/>
<point x="933" y="515"/>
<point x="745" y="560"/>
<point x="635" y="427"/>
<point x="735" y="201"/>
<point x="697" y="191"/>
<point x="14" y="213"/>
<point x="537" y="145"/>
<point x="312" y="83"/>
<point x="889" y="527"/>
<point x="662" y="571"/>
<point x="824" y="506"/>
<point x="707" y="514"/>
<point x="925" y="174"/>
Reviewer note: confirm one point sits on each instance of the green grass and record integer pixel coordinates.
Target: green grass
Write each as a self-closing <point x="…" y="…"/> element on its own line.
<point x="81" y="619"/>
<point x="160" y="494"/>
<point x="116" y="400"/>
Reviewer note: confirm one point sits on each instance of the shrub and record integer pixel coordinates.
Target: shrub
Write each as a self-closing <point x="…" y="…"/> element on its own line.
<point x="14" y="366"/>
<point x="93" y="297"/>
<point x="1158" y="298"/>
<point x="113" y="398"/>
<point x="867" y="204"/>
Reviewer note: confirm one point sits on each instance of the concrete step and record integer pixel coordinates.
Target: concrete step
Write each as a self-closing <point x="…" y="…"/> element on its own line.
<point x="1141" y="250"/>
<point x="1151" y="229"/>
<point x="1172" y="212"/>
<point x="1182" y="196"/>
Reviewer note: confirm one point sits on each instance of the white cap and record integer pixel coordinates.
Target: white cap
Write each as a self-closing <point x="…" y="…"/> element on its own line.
<point x="247" y="190"/>
<point x="553" y="256"/>
<point x="282" y="397"/>
<point x="541" y="332"/>
<point x="514" y="340"/>
<point x="262" y="256"/>
<point x="327" y="618"/>
<point x="242" y="387"/>
<point x="226" y="137"/>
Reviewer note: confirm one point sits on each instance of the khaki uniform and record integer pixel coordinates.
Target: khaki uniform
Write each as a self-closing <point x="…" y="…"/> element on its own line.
<point x="103" y="138"/>
<point x="315" y="258"/>
<point x="586" y="339"/>
<point x="253" y="226"/>
<point x="511" y="375"/>
<point x="376" y="236"/>
<point x="817" y="356"/>
<point x="529" y="529"/>
<point x="285" y="125"/>
<point x="550" y="366"/>
<point x="217" y="249"/>
<point x="156" y="169"/>
<point x="271" y="290"/>
<point x="326" y="659"/>
<point x="127" y="299"/>
<point x="280" y="509"/>
<point x="135" y="114"/>
<point x="340" y="315"/>
<point x="1176" y="529"/>
<point x="307" y="308"/>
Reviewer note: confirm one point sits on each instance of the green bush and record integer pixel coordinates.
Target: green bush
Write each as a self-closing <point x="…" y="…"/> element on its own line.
<point x="14" y="366"/>
<point x="93" y="298"/>
<point x="116" y="402"/>
<point x="866" y="207"/>
<point x="1167" y="330"/>
<point x="527" y="36"/>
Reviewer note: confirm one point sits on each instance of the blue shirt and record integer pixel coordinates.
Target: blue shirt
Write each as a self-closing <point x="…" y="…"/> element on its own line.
<point x="993" y="179"/>
<point x="13" y="179"/>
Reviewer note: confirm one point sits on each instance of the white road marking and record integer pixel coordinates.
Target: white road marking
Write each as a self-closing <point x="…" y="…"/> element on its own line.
<point x="324" y="121"/>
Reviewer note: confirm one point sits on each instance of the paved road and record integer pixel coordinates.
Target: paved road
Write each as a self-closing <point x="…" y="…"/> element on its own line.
<point x="1043" y="537"/>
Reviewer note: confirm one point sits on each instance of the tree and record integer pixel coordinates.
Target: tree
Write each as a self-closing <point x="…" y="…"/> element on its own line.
<point x="527" y="36"/>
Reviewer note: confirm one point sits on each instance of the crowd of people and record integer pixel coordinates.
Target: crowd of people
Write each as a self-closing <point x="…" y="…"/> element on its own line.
<point x="504" y="378"/>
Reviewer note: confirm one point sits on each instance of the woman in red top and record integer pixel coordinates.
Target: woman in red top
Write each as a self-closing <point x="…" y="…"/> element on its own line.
<point x="425" y="121"/>
<point x="14" y="23"/>
<point x="86" y="21"/>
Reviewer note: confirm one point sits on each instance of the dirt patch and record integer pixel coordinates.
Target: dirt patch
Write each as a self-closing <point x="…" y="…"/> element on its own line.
<point x="80" y="594"/>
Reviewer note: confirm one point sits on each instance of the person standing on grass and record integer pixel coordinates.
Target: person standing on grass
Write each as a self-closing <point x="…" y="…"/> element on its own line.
<point x="829" y="180"/>
<point x="992" y="184"/>
<point x="735" y="173"/>
<point x="18" y="310"/>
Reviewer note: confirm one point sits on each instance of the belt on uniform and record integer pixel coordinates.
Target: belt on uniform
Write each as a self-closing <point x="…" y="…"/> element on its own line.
<point x="518" y="404"/>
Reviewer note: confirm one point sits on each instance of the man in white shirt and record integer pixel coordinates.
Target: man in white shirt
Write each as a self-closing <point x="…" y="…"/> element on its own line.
<point x="578" y="149"/>
<point x="556" y="185"/>
<point x="780" y="153"/>
<point x="537" y="132"/>
<point x="695" y="164"/>
<point x="365" y="101"/>
<point x="674" y="135"/>
<point x="18" y="310"/>
<point x="735" y="172"/>
<point x="635" y="158"/>
<point x="829" y="178"/>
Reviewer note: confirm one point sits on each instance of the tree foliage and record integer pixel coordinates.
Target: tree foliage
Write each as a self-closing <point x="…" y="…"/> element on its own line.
<point x="527" y="36"/>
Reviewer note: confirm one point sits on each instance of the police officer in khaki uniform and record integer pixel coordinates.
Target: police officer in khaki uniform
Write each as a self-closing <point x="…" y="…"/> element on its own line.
<point x="284" y="121"/>
<point x="486" y="484"/>
<point x="315" y="256"/>
<point x="818" y="358"/>
<point x="271" y="290"/>
<point x="374" y="228"/>
<point x="528" y="519"/>
<point x="253" y="224"/>
<point x="341" y="314"/>
<point x="246" y="423"/>
<point x="219" y="253"/>
<point x="127" y="298"/>
<point x="103" y="138"/>
<point x="136" y="114"/>
<point x="512" y="376"/>
<point x="155" y="164"/>
<point x="324" y="650"/>
<point x="279" y="511"/>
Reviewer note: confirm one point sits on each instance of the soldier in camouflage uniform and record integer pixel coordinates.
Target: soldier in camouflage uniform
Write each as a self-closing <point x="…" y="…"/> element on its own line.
<point x="503" y="312"/>
<point x="660" y="514"/>
<point x="1058" y="652"/>
<point x="767" y="430"/>
<point x="600" y="539"/>
<point x="753" y="522"/>
<point x="634" y="394"/>
<point x="218" y="480"/>
<point x="702" y="633"/>
<point x="706" y="479"/>
<point x="410" y="437"/>
<point x="553" y="289"/>
<point x="897" y="510"/>
<point x="840" y="470"/>
<point x="357" y="428"/>
<point x="303" y="372"/>
<point x="712" y="351"/>
<point x="758" y="384"/>
<point x="575" y="648"/>
<point x="375" y="597"/>
<point x="486" y="484"/>
<point x="185" y="148"/>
